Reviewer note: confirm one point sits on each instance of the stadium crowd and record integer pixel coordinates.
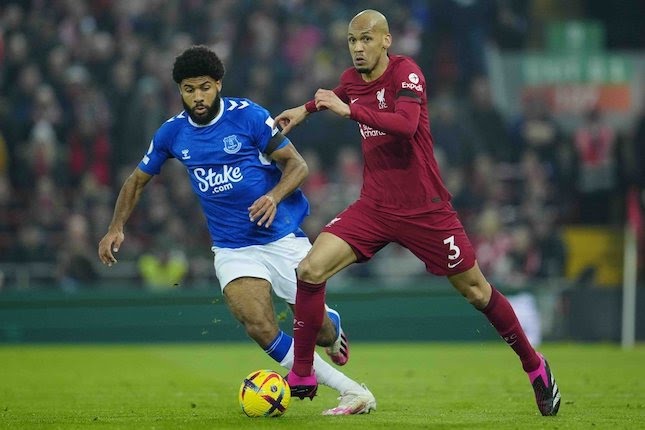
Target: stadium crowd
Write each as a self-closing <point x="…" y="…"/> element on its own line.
<point x="84" y="84"/>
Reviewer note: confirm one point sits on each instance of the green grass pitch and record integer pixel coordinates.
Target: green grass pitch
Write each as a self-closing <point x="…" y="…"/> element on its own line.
<point x="417" y="385"/>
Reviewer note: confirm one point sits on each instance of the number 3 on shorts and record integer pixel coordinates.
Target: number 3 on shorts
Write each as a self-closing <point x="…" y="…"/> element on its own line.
<point x="455" y="252"/>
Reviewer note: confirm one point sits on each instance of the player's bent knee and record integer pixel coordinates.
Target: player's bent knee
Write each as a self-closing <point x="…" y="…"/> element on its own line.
<point x="473" y="286"/>
<point x="477" y="298"/>
<point x="309" y="273"/>
<point x="477" y="295"/>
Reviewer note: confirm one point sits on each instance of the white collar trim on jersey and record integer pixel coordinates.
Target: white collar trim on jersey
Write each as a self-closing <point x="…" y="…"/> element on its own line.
<point x="214" y="120"/>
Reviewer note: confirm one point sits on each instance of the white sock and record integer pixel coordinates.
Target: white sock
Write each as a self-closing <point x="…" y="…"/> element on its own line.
<point x="325" y="373"/>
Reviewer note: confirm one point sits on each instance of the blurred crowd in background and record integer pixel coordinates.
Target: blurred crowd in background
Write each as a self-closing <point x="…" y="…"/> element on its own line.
<point x="84" y="85"/>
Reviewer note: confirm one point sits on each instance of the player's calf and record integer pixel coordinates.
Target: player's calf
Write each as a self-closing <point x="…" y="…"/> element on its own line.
<point x="328" y="333"/>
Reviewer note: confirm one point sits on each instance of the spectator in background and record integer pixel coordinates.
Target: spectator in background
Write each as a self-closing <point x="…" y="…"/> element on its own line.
<point x="19" y="122"/>
<point x="29" y="245"/>
<point x="88" y="139"/>
<point x="48" y="211"/>
<point x="43" y="156"/>
<point x="595" y="146"/>
<point x="484" y="181"/>
<point x="123" y="81"/>
<point x="536" y="190"/>
<point x="551" y="247"/>
<point x="163" y="268"/>
<point x="137" y="128"/>
<point x="492" y="243"/>
<point x="17" y="58"/>
<point x="454" y="138"/>
<point x="76" y="268"/>
<point x="47" y="108"/>
<point x="488" y="124"/>
<point x="536" y="130"/>
<point x="460" y="30"/>
<point x="463" y="199"/>
<point x="511" y="25"/>
<point x="523" y="257"/>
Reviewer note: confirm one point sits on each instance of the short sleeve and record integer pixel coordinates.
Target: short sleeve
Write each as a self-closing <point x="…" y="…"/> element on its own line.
<point x="158" y="152"/>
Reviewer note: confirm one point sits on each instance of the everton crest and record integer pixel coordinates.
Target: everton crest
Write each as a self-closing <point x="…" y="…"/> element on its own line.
<point x="232" y="144"/>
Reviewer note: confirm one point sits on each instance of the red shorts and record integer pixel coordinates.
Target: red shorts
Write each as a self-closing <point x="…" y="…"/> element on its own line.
<point x="437" y="238"/>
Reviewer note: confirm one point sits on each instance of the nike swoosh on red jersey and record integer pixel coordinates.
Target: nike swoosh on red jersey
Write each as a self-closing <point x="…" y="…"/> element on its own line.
<point x="452" y="266"/>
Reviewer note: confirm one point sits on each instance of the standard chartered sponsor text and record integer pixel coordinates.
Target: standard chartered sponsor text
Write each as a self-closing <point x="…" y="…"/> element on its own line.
<point x="367" y="131"/>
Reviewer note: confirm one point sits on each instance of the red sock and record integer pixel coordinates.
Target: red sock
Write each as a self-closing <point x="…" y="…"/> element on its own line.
<point x="501" y="315"/>
<point x="308" y="319"/>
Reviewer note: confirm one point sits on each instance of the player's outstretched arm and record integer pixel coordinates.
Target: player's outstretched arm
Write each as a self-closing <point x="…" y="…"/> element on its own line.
<point x="294" y="171"/>
<point x="128" y="198"/>
<point x="328" y="99"/>
<point x="290" y="118"/>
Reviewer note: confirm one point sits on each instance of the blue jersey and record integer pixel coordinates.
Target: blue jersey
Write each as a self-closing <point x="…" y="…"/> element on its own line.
<point x="228" y="168"/>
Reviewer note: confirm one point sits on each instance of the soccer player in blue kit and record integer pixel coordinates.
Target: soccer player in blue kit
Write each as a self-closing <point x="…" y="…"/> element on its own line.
<point x="246" y="175"/>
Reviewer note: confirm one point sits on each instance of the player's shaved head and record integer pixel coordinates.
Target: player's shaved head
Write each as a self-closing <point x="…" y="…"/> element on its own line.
<point x="368" y="38"/>
<point x="370" y="19"/>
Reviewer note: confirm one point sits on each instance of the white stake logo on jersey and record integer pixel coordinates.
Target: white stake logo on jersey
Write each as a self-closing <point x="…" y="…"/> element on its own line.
<point x="217" y="181"/>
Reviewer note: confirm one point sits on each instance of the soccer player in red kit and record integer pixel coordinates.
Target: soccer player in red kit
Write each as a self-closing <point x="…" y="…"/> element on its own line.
<point x="403" y="200"/>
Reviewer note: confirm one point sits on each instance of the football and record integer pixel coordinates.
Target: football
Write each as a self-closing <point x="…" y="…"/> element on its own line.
<point x="264" y="393"/>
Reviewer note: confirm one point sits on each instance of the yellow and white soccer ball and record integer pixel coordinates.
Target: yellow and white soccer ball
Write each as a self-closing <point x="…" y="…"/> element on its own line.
<point x="264" y="393"/>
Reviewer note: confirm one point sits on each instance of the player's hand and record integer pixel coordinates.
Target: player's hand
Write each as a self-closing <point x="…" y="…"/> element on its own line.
<point x="290" y="118"/>
<point x="110" y="243"/>
<point x="328" y="99"/>
<point x="263" y="211"/>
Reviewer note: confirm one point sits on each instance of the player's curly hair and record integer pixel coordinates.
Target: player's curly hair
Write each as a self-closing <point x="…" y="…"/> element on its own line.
<point x="197" y="61"/>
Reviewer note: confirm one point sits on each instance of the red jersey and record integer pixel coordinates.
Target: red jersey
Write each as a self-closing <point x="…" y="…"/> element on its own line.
<point x="400" y="173"/>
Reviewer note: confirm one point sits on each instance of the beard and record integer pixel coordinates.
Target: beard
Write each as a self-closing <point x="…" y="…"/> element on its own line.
<point x="206" y="117"/>
<point x="364" y="68"/>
